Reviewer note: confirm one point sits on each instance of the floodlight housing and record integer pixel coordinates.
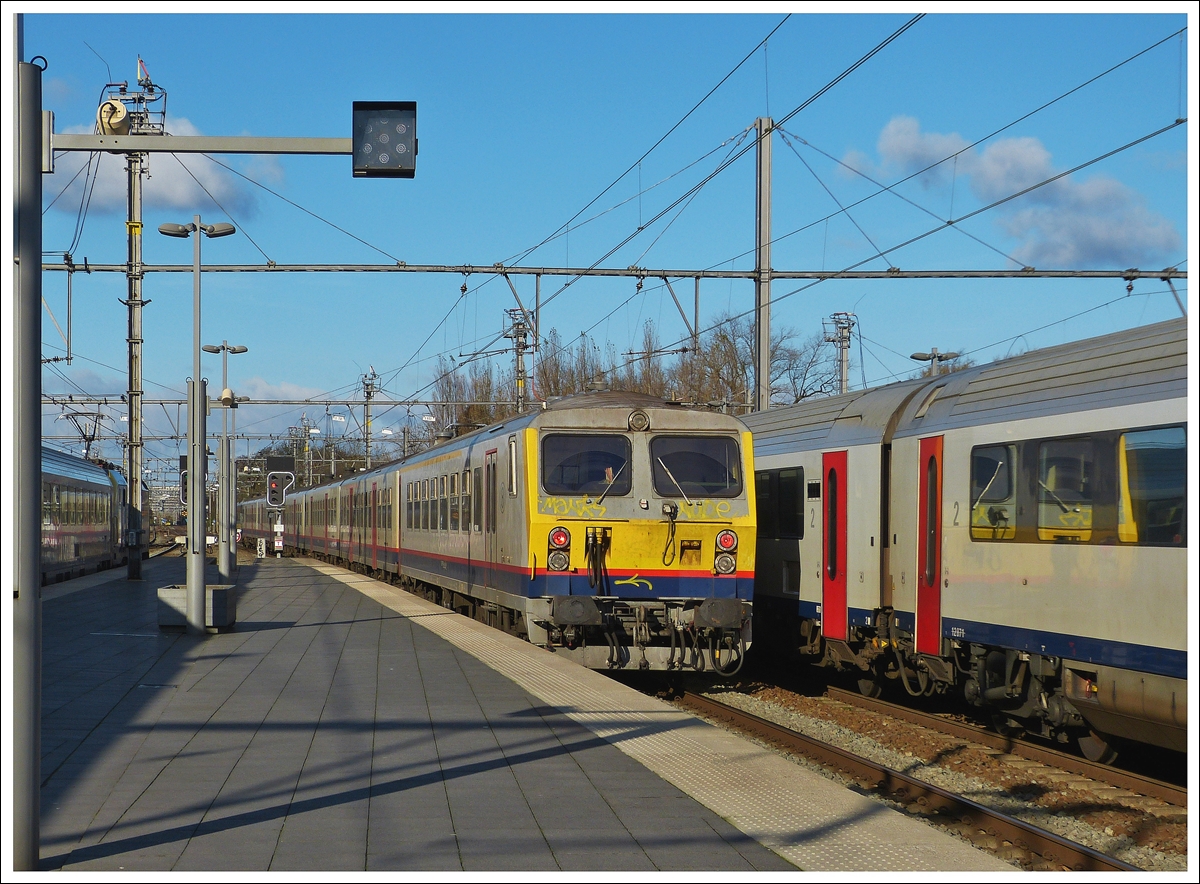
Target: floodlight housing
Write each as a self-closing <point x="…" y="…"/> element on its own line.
<point x="384" y="139"/>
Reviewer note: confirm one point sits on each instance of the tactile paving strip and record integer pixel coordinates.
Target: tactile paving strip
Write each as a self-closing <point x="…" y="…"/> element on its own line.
<point x="805" y="818"/>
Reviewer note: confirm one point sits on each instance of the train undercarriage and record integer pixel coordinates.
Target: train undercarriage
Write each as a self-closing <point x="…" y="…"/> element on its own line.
<point x="1018" y="691"/>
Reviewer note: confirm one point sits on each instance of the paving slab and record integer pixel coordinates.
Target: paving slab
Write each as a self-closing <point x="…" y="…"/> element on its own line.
<point x="328" y="731"/>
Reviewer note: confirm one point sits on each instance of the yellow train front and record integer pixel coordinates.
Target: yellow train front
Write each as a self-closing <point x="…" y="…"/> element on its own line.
<point x="615" y="528"/>
<point x="641" y="538"/>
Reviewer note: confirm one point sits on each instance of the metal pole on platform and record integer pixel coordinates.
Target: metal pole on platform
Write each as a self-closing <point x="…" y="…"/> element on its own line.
<point x="27" y="478"/>
<point x="197" y="433"/>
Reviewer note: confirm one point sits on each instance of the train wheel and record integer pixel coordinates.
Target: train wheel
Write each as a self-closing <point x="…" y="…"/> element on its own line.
<point x="1007" y="727"/>
<point x="869" y="686"/>
<point x="1097" y="749"/>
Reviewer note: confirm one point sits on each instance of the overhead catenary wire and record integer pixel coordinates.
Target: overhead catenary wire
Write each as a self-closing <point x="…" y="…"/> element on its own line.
<point x="241" y="227"/>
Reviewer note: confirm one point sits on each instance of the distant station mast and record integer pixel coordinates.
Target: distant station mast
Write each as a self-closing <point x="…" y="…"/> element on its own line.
<point x="370" y="388"/>
<point x="843" y="324"/>
<point x="142" y="111"/>
<point x="518" y="333"/>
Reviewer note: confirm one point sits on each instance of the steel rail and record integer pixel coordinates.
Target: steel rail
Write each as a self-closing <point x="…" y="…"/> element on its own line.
<point x="1148" y="786"/>
<point x="908" y="789"/>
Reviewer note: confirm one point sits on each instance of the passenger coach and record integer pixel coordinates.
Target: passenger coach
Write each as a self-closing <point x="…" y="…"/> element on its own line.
<point x="1014" y="531"/>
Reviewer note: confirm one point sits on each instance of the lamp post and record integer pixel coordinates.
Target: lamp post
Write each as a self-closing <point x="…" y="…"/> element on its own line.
<point x="225" y="495"/>
<point x="935" y="359"/>
<point x="197" y="410"/>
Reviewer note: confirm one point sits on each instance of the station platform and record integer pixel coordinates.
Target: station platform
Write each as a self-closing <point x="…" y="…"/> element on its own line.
<point x="345" y="725"/>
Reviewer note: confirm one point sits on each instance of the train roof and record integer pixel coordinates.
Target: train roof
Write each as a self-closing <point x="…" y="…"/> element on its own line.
<point x="66" y="466"/>
<point x="1143" y="364"/>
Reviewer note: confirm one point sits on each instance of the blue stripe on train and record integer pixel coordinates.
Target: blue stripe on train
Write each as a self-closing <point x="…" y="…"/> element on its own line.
<point x="1102" y="652"/>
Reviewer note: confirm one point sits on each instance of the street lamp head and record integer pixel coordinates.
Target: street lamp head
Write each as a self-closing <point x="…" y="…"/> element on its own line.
<point x="220" y="229"/>
<point x="238" y="349"/>
<point x="210" y="348"/>
<point x="921" y="357"/>
<point x="183" y="231"/>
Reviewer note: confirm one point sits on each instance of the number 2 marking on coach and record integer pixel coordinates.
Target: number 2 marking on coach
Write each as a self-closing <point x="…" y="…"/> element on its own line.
<point x="956" y="512"/>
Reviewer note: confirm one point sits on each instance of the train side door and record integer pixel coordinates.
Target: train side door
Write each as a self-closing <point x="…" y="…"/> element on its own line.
<point x="929" y="550"/>
<point x="374" y="516"/>
<point x="491" y="545"/>
<point x="834" y="615"/>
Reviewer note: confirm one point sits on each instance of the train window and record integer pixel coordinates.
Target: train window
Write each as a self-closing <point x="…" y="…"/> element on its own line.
<point x="1153" y="486"/>
<point x="696" y="466"/>
<point x="512" y="466"/>
<point x="586" y="464"/>
<point x="765" y="505"/>
<point x="993" y="493"/>
<point x="466" y="500"/>
<point x="489" y="523"/>
<point x="454" y="501"/>
<point x="791" y="503"/>
<point x="932" y="499"/>
<point x="408" y="505"/>
<point x="831" y="526"/>
<point x="443" y="505"/>
<point x="477" y="513"/>
<point x="1065" y="469"/>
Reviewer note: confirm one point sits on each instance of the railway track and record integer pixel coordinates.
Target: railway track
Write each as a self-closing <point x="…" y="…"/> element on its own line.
<point x="1168" y="792"/>
<point x="980" y="824"/>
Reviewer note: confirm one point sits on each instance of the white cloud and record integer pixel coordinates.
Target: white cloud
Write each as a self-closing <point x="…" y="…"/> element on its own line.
<point x="1072" y="222"/>
<point x="904" y="148"/>
<point x="168" y="184"/>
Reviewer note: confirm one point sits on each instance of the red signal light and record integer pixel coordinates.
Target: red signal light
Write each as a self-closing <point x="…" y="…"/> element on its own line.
<point x="727" y="541"/>
<point x="559" y="538"/>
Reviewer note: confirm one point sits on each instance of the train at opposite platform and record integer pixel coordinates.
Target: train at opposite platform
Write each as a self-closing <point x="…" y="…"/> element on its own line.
<point x="84" y="516"/>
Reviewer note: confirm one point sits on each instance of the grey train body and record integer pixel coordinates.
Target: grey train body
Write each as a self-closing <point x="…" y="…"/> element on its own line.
<point x="1015" y="532"/>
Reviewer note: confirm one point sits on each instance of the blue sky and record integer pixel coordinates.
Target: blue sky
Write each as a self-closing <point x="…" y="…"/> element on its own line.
<point x="524" y="119"/>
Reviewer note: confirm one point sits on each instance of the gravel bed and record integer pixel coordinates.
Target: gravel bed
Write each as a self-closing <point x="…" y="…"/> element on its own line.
<point x="1143" y="832"/>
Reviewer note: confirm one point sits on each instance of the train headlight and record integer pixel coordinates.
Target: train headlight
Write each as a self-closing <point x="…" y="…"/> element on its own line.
<point x="560" y="538"/>
<point x="726" y="564"/>
<point x="727" y="541"/>
<point x="558" y="560"/>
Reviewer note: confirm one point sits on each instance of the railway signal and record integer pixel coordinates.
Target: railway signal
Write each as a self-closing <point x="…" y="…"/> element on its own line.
<point x="277" y="486"/>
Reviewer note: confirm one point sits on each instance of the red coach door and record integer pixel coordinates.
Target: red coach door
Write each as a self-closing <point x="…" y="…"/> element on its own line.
<point x="929" y="551"/>
<point x="374" y="516"/>
<point x="834" y="617"/>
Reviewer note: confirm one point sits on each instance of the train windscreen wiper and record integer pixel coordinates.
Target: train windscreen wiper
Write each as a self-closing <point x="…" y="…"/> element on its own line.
<point x="673" y="479"/>
<point x="613" y="482"/>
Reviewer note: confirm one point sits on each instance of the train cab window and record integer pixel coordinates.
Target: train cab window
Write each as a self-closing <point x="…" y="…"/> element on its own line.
<point x="454" y="501"/>
<point x="696" y="466"/>
<point x="993" y="493"/>
<point x="1065" y="469"/>
<point x="575" y="463"/>
<point x="1153" y="486"/>
<point x="512" y="466"/>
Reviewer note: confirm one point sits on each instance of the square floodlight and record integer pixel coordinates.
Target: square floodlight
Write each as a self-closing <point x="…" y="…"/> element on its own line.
<point x="385" y="139"/>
